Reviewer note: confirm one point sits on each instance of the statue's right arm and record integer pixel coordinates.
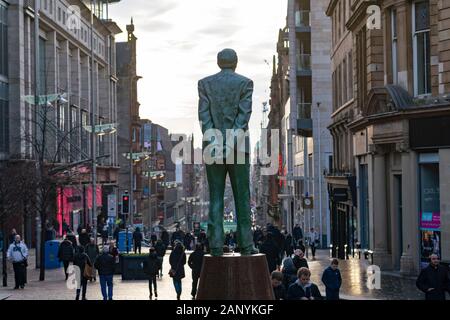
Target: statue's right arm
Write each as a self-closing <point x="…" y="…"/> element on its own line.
<point x="204" y="113"/>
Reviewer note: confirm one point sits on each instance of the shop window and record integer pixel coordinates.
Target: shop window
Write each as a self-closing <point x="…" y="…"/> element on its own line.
<point x="429" y="208"/>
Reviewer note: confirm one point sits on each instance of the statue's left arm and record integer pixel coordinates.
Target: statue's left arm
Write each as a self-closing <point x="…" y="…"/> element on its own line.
<point x="245" y="107"/>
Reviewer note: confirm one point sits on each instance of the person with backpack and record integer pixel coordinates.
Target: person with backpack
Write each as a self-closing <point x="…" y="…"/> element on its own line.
<point x="81" y="260"/>
<point x="177" y="261"/>
<point x="18" y="254"/>
<point x="66" y="254"/>
<point x="195" y="262"/>
<point x="151" y="269"/>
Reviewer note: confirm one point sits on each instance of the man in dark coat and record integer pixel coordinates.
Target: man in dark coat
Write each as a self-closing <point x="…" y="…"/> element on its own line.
<point x="188" y="238"/>
<point x="65" y="254"/>
<point x="303" y="289"/>
<point x="165" y="238"/>
<point x="277" y="285"/>
<point x="288" y="245"/>
<point x="332" y="280"/>
<point x="195" y="262"/>
<point x="84" y="238"/>
<point x="151" y="269"/>
<point x="434" y="280"/>
<point x="105" y="264"/>
<point x="298" y="235"/>
<point x="71" y="237"/>
<point x="137" y="240"/>
<point x="270" y="249"/>
<point x="299" y="259"/>
<point x="160" y="248"/>
<point x="177" y="261"/>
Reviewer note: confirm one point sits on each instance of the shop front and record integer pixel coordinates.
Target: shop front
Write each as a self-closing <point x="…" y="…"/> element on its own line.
<point x="74" y="204"/>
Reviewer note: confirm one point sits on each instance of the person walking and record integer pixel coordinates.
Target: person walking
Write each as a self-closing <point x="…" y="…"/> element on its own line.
<point x="12" y="236"/>
<point x="83" y="238"/>
<point x="270" y="249"/>
<point x="18" y="254"/>
<point x="71" y="237"/>
<point x="137" y="240"/>
<point x="93" y="252"/>
<point x="105" y="264"/>
<point x="297" y="233"/>
<point x="289" y="272"/>
<point x="65" y="227"/>
<point x="299" y="259"/>
<point x="434" y="280"/>
<point x="152" y="269"/>
<point x="195" y="262"/>
<point x="50" y="232"/>
<point x="160" y="249"/>
<point x="277" y="285"/>
<point x="288" y="244"/>
<point x="303" y="288"/>
<point x="66" y="254"/>
<point x="313" y="241"/>
<point x="177" y="261"/>
<point x="80" y="260"/>
<point x="104" y="234"/>
<point x="332" y="280"/>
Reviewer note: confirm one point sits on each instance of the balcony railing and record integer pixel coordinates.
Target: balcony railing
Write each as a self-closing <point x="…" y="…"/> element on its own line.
<point x="302" y="18"/>
<point x="303" y="62"/>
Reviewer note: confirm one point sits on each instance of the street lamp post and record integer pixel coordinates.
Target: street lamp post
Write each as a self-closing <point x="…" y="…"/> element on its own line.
<point x="93" y="133"/>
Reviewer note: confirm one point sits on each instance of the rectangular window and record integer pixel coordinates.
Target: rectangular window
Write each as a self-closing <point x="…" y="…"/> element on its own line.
<point x="394" y="46"/>
<point x="361" y="60"/>
<point x="344" y="81"/>
<point x="84" y="135"/>
<point x="51" y="6"/>
<point x="45" y="4"/>
<point x="421" y="47"/>
<point x="350" y="75"/>
<point x="59" y="14"/>
<point x="3" y="40"/>
<point x="4" y="117"/>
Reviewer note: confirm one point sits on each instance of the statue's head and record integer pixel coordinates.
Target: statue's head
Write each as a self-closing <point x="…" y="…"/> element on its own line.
<point x="227" y="59"/>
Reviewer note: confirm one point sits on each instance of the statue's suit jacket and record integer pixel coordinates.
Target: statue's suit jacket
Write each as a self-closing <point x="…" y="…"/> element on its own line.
<point x="225" y="102"/>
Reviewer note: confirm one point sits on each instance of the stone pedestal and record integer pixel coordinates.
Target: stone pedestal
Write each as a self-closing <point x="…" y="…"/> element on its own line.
<point x="235" y="277"/>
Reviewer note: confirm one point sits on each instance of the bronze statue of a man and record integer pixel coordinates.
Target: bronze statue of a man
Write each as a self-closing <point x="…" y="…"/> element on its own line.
<point x="225" y="103"/>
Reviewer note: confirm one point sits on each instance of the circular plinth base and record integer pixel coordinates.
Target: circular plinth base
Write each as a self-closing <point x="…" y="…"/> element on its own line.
<point x="235" y="277"/>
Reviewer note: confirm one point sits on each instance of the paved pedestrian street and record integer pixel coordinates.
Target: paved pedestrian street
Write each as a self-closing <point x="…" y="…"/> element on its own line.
<point x="393" y="287"/>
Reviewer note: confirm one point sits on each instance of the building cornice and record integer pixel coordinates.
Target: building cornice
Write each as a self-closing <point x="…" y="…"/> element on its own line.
<point x="359" y="14"/>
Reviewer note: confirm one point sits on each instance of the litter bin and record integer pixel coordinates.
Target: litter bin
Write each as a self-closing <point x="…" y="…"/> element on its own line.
<point x="122" y="245"/>
<point x="51" y="254"/>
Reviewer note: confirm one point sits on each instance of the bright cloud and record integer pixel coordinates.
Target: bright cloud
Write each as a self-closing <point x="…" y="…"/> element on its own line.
<point x="178" y="41"/>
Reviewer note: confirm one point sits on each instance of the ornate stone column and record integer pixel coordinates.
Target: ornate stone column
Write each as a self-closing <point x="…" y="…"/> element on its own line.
<point x="381" y="256"/>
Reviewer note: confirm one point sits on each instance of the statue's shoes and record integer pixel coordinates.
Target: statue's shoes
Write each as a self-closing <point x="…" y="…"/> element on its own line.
<point x="249" y="252"/>
<point x="216" y="252"/>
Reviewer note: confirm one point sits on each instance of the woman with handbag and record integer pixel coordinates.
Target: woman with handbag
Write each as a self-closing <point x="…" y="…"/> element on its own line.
<point x="82" y="261"/>
<point x="177" y="261"/>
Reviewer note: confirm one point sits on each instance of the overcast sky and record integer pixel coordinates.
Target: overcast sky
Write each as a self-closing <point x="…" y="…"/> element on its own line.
<point x="178" y="41"/>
